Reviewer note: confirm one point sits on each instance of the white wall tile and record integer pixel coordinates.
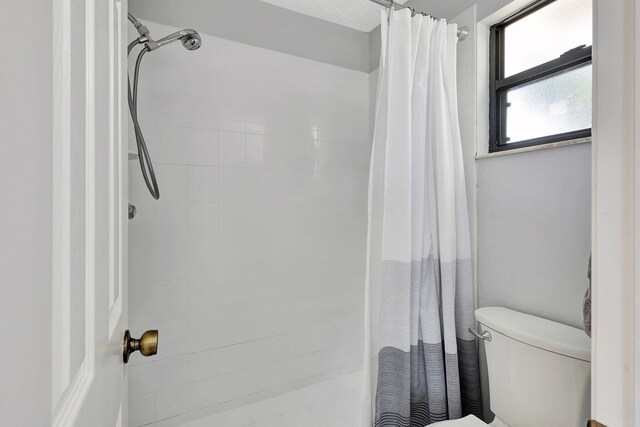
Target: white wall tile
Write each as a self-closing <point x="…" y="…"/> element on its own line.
<point x="255" y="128"/>
<point x="276" y="421"/>
<point x="203" y="258"/>
<point x="203" y="184"/>
<point x="232" y="221"/>
<point x="178" y="421"/>
<point x="172" y="402"/>
<point x="167" y="116"/>
<point x="233" y="258"/>
<point x="138" y="191"/>
<point x="232" y="149"/>
<point x="202" y="222"/>
<point x="205" y="328"/>
<point x="142" y="379"/>
<point x="243" y="356"/>
<point x="254" y="254"/>
<point x="233" y="126"/>
<point x="205" y="392"/>
<point x="142" y="410"/>
<point x="235" y="385"/>
<point x="350" y="354"/>
<point x="204" y="122"/>
<point x="264" y="410"/>
<point x="236" y="418"/>
<point x="233" y="184"/>
<point x="142" y="228"/>
<point x="204" y="364"/>
<point x="314" y="364"/>
<point x="172" y="182"/>
<point x="171" y="145"/>
<point x="173" y="260"/>
<point x="264" y="185"/>
<point x="204" y="295"/>
<point x="203" y="147"/>
<point x="142" y="262"/>
<point x="171" y="221"/>
<point x="173" y="372"/>
<point x="314" y="340"/>
<point x="257" y="151"/>
<point x="158" y="301"/>
<point x="172" y="338"/>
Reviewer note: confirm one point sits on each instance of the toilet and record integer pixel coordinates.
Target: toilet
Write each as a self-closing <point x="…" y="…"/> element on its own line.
<point x="539" y="371"/>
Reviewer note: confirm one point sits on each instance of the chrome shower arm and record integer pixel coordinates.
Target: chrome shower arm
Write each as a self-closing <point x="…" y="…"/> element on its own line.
<point x="142" y="30"/>
<point x="181" y="35"/>
<point x="190" y="38"/>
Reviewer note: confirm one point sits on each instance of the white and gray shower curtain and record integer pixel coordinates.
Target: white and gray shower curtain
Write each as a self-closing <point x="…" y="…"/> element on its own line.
<point x="420" y="294"/>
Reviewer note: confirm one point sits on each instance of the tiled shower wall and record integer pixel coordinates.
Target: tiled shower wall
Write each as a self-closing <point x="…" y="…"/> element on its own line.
<point x="251" y="264"/>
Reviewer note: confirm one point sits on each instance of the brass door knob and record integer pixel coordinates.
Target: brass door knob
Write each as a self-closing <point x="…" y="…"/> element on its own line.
<point x="147" y="344"/>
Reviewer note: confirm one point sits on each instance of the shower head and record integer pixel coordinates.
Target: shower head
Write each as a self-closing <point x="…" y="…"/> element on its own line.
<point x="190" y="40"/>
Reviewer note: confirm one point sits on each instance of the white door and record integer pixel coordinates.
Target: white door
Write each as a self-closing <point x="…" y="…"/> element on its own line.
<point x="615" y="359"/>
<point x="89" y="304"/>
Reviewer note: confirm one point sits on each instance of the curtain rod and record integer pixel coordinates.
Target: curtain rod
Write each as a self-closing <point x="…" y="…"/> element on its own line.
<point x="463" y="32"/>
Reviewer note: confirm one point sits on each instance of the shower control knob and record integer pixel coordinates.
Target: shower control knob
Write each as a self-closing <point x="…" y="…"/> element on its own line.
<point x="132" y="211"/>
<point x="147" y="344"/>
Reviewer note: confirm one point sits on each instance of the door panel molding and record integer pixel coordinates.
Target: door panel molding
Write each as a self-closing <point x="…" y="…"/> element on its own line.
<point x="118" y="162"/>
<point x="73" y="245"/>
<point x="89" y="295"/>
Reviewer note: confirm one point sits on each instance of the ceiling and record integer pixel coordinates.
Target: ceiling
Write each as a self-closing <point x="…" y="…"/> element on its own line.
<point x="449" y="8"/>
<point x="362" y="15"/>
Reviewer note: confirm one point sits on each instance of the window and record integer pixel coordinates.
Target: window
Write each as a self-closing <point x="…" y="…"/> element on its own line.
<point x="541" y="75"/>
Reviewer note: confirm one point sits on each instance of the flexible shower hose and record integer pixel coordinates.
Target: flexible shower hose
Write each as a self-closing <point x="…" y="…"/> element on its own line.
<point x="146" y="165"/>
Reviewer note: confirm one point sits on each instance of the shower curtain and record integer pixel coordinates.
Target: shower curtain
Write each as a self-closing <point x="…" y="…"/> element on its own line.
<point x="419" y="296"/>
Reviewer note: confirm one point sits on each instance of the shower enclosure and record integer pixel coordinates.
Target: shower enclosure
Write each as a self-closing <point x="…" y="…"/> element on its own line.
<point x="251" y="264"/>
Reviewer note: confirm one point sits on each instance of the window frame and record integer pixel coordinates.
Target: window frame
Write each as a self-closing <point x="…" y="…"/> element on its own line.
<point x="499" y="85"/>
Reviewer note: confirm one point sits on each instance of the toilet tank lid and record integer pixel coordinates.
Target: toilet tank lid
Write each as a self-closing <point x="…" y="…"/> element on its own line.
<point x="537" y="332"/>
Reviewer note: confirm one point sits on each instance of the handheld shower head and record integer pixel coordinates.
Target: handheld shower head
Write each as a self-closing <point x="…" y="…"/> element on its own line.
<point x="190" y="40"/>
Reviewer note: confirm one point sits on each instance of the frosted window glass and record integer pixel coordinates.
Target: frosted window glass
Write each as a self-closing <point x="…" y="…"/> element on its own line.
<point x="558" y="104"/>
<point x="546" y="34"/>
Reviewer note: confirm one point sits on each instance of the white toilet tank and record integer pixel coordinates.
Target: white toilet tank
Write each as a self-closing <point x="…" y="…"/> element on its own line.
<point x="539" y="370"/>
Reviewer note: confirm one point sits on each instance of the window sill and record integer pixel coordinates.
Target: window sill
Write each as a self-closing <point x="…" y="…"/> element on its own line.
<point x="534" y="148"/>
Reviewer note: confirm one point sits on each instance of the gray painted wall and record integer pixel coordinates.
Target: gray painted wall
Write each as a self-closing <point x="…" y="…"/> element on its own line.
<point x="374" y="48"/>
<point x="263" y="25"/>
<point x="534" y="231"/>
<point x="26" y="124"/>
